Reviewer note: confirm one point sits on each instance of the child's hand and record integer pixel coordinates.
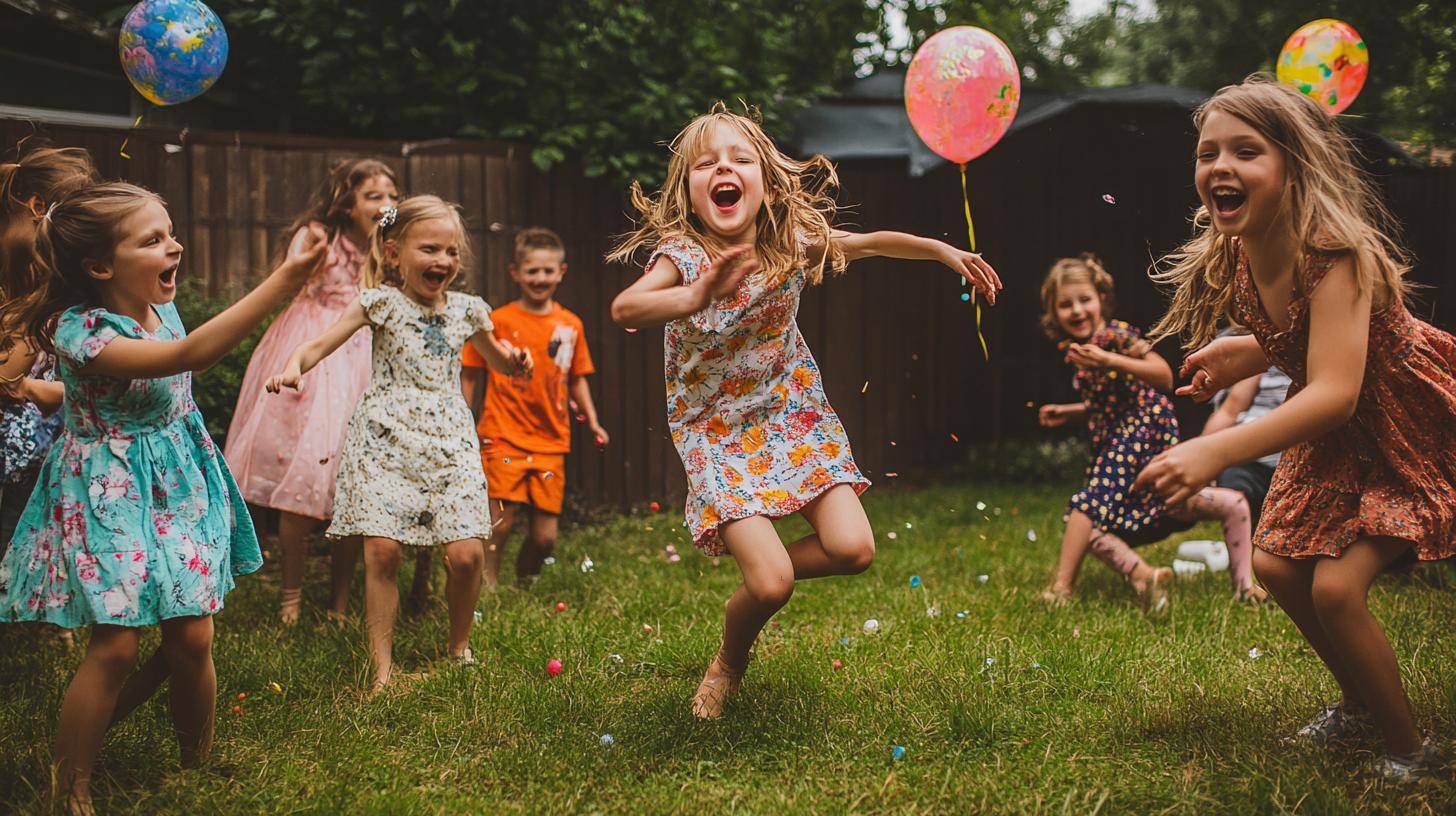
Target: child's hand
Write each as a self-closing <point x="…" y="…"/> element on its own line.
<point x="724" y="275"/>
<point x="300" y="264"/>
<point x="1088" y="355"/>
<point x="521" y="362"/>
<point x="288" y="379"/>
<point x="1053" y="416"/>
<point x="1178" y="473"/>
<point x="1208" y="370"/>
<point x="600" y="435"/>
<point x="974" y="269"/>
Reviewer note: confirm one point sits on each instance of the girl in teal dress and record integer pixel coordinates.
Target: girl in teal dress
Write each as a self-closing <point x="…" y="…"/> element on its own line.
<point x="135" y="520"/>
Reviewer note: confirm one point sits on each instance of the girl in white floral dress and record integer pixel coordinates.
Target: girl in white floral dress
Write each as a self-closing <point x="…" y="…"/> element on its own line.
<point x="410" y="473"/>
<point x="736" y="234"/>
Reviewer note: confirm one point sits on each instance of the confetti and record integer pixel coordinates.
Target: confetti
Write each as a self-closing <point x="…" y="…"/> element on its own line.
<point x="865" y="387"/>
<point x="646" y="628"/>
<point x="965" y="296"/>
<point x="932" y="611"/>
<point x="674" y="558"/>
<point x="654" y="507"/>
<point x="549" y="560"/>
<point x="587" y="565"/>
<point x="892" y="475"/>
<point x="980" y="505"/>
<point x="897" y="752"/>
<point x="844" y="641"/>
<point x="607" y="741"/>
<point x="838" y="665"/>
<point x="1076" y="631"/>
<point x="955" y="438"/>
<point x="909" y="526"/>
<point x="1034" y="665"/>
<point x="554" y="667"/>
<point x="275" y="688"/>
<point x="631" y="331"/>
<point x="560" y="606"/>
<point x="1031" y="535"/>
<point x="242" y="695"/>
<point x="914" y="581"/>
<point x="990" y="661"/>
<point x="478" y="616"/>
<point x="237" y="709"/>
<point x="1109" y="199"/>
<point x="963" y="613"/>
<point x="981" y="579"/>
<point x="1255" y="653"/>
<point x="891" y="535"/>
<point x="615" y="658"/>
<point x="871" y="626"/>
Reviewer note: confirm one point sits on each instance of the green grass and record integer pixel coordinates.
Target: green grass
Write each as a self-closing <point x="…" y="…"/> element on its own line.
<point x="1086" y="709"/>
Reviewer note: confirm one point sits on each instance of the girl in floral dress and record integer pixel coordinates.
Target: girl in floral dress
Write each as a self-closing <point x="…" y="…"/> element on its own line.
<point x="135" y="520"/>
<point x="410" y="475"/>
<point x="1121" y="381"/>
<point x="735" y="235"/>
<point x="1293" y="244"/>
<point x="285" y="449"/>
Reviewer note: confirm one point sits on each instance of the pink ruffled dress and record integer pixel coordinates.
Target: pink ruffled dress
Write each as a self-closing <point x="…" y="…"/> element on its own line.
<point x="284" y="448"/>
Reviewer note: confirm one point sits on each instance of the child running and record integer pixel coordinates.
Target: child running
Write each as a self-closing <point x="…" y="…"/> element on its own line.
<point x="410" y="475"/>
<point x="1121" y="381"/>
<point x="135" y="520"/>
<point x="736" y="234"/>
<point x="525" y="424"/>
<point x="1293" y="243"/>
<point x="285" y="449"/>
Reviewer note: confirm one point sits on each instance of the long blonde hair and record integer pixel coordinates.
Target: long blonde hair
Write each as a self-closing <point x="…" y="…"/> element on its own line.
<point x="1333" y="205"/>
<point x="798" y="203"/>
<point x="377" y="269"/>
<point x="1085" y="268"/>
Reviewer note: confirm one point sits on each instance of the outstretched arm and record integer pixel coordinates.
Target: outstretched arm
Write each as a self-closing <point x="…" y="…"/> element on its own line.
<point x="969" y="265"/>
<point x="1151" y="368"/>
<point x="132" y="359"/>
<point x="499" y="356"/>
<point x="658" y="297"/>
<point x="1220" y="364"/>
<point x="310" y="354"/>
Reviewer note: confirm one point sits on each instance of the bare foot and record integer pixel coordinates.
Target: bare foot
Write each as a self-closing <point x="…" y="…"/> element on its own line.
<point x="1253" y="595"/>
<point x="1057" y="596"/>
<point x="340" y="619"/>
<point x="1152" y="592"/>
<point x="288" y="609"/>
<point x="719" y="683"/>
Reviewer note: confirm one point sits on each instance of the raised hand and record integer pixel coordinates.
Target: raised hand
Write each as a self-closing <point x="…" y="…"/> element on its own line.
<point x="724" y="275"/>
<point x="1088" y="355"/>
<point x="306" y="255"/>
<point x="1210" y="370"/>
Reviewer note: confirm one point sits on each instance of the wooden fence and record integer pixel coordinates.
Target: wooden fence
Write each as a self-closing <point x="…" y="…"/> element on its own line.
<point x="897" y="344"/>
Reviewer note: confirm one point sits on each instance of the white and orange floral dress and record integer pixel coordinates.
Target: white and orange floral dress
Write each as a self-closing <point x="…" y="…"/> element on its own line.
<point x="746" y="404"/>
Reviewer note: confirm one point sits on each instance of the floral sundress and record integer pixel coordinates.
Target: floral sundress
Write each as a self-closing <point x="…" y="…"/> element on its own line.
<point x="746" y="404"/>
<point x="135" y="517"/>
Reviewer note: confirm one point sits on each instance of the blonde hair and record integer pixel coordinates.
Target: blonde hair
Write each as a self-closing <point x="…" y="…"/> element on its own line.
<point x="1085" y="268"/>
<point x="1332" y="202"/>
<point x="798" y="204"/>
<point x="334" y="197"/>
<point x="80" y="227"/>
<point x="379" y="271"/>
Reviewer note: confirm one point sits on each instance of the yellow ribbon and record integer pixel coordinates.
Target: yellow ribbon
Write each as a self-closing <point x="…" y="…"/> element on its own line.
<point x="971" y="231"/>
<point x="122" y="150"/>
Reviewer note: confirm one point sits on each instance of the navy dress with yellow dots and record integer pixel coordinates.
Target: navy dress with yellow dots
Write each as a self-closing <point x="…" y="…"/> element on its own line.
<point x="1130" y="422"/>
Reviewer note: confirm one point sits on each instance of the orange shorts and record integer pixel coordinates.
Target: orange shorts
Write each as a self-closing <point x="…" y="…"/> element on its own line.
<point x="514" y="475"/>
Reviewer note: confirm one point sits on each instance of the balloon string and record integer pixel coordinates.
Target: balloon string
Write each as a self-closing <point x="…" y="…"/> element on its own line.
<point x="971" y="231"/>
<point x="122" y="151"/>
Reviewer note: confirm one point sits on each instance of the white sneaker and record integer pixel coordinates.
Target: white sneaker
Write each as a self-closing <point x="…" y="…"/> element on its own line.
<point x="1188" y="569"/>
<point x="1212" y="554"/>
<point x="1402" y="770"/>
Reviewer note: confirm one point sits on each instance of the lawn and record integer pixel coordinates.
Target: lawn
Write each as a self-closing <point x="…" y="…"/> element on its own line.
<point x="1000" y="704"/>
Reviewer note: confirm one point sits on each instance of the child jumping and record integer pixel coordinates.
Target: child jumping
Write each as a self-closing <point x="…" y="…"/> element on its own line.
<point x="1293" y="243"/>
<point x="135" y="520"/>
<point x="410" y="475"/>
<point x="736" y="234"/>
<point x="285" y="449"/>
<point x="525" y="424"/>
<point x="1121" y="381"/>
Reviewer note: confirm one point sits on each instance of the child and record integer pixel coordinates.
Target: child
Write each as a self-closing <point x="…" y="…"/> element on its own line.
<point x="736" y="235"/>
<point x="1292" y="243"/>
<point x="29" y="419"/>
<point x="525" y="425"/>
<point x="285" y="449"/>
<point x="1120" y="379"/>
<point x="409" y="475"/>
<point x="135" y="520"/>
<point x="1245" y="401"/>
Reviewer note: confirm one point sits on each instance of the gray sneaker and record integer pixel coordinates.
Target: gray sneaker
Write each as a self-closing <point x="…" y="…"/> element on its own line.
<point x="1402" y="770"/>
<point x="1335" y="723"/>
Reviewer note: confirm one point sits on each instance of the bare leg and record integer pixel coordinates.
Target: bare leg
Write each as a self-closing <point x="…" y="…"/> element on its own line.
<point x="382" y="557"/>
<point x="464" y="561"/>
<point x="1291" y="581"/>
<point x="539" y="543"/>
<point x="86" y="710"/>
<point x="293" y="534"/>
<point x="504" y="520"/>
<point x="188" y="645"/>
<point x="1075" y="543"/>
<point x="843" y="543"/>
<point x="344" y="559"/>
<point x="1230" y="507"/>
<point x="419" y="597"/>
<point x="141" y="685"/>
<point x="1340" y="592"/>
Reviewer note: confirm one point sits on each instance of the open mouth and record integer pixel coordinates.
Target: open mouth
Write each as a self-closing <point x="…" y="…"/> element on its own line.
<point x="169" y="275"/>
<point x="435" y="278"/>
<point x="1227" y="200"/>
<point x="725" y="195"/>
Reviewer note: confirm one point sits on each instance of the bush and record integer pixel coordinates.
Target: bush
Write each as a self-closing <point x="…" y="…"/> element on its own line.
<point x="216" y="390"/>
<point x="1028" y="462"/>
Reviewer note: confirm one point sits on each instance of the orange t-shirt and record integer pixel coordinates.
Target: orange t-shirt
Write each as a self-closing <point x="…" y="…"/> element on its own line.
<point x="532" y="413"/>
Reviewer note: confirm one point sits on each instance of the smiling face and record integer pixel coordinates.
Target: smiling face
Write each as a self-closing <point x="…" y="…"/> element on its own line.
<point x="1078" y="310"/>
<point x="1239" y="175"/>
<point x="725" y="183"/>
<point x="142" y="269"/>
<point x="538" y="273"/>
<point x="372" y="195"/>
<point x="428" y="257"/>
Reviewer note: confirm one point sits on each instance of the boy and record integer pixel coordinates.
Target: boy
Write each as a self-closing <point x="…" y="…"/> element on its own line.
<point x="525" y="425"/>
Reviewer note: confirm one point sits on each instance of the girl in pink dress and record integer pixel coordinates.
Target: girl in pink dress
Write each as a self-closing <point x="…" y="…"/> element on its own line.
<point x="284" y="448"/>
<point x="735" y="235"/>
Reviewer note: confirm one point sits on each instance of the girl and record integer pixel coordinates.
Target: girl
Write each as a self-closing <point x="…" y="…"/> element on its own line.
<point x="410" y="473"/>
<point x="736" y="234"/>
<point x="285" y="449"/>
<point x="1293" y="243"/>
<point x="29" y="419"/>
<point x="135" y="520"/>
<point x="1121" y="379"/>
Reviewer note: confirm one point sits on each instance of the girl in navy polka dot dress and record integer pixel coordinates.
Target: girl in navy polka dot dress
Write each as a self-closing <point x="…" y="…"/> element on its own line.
<point x="1121" y="381"/>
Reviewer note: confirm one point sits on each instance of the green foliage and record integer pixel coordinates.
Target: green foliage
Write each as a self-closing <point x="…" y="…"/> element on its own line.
<point x="1024" y="462"/>
<point x="1089" y="709"/>
<point x="216" y="390"/>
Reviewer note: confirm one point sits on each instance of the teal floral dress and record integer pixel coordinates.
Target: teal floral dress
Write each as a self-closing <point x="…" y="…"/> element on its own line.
<point x="135" y="518"/>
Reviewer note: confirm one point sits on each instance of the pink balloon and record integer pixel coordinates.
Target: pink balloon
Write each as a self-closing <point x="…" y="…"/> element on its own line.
<point x="962" y="91"/>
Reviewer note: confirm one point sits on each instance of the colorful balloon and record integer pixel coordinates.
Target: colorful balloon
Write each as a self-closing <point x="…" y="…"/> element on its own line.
<point x="172" y="50"/>
<point x="962" y="91"/>
<point x="1325" y="60"/>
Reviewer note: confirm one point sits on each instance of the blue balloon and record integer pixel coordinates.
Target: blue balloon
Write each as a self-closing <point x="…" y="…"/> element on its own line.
<point x="172" y="50"/>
